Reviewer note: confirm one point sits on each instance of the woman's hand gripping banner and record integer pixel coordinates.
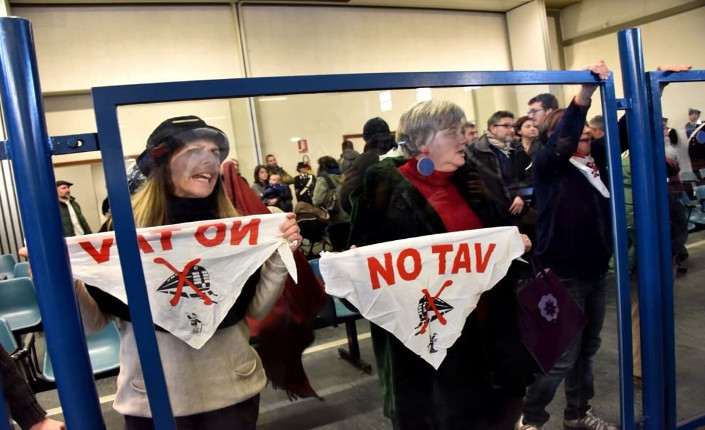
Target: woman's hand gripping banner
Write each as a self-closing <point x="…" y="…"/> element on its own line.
<point x="423" y="289"/>
<point x="194" y="271"/>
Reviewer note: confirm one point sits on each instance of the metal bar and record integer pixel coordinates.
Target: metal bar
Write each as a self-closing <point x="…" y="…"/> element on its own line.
<point x="4" y="415"/>
<point x="245" y="87"/>
<point x="687" y="76"/>
<point x="621" y="254"/>
<point x="29" y="151"/>
<point x="646" y="190"/>
<point x="692" y="423"/>
<point x="106" y="100"/>
<point x="73" y="143"/>
<point x="667" y="291"/>
<point x="131" y="265"/>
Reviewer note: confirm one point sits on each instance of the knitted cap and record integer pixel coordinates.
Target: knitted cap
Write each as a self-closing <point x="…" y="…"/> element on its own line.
<point x="172" y="134"/>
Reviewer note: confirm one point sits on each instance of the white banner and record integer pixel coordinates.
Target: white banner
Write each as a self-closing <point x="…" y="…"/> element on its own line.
<point x="423" y="289"/>
<point x="194" y="271"/>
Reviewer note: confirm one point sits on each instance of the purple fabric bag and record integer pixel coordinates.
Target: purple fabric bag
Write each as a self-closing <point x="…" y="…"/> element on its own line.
<point x="550" y="320"/>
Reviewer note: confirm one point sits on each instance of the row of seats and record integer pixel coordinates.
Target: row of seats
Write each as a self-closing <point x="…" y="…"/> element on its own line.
<point x="694" y="204"/>
<point x="103" y="351"/>
<point x="335" y="312"/>
<point x="20" y="318"/>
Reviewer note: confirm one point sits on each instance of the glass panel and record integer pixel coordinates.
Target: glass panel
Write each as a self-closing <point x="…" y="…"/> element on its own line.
<point x="278" y="125"/>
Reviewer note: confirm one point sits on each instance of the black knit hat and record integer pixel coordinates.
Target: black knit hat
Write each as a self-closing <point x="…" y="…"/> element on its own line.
<point x="374" y="126"/>
<point x="173" y="134"/>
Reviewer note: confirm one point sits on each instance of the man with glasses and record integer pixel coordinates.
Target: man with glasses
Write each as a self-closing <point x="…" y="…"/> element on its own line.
<point x="541" y="106"/>
<point x="502" y="168"/>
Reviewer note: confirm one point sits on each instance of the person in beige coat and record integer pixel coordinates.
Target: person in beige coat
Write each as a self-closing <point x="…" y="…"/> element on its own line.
<point x="217" y="386"/>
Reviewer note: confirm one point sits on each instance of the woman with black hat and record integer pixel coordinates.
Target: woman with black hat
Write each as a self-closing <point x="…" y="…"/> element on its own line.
<point x="217" y="386"/>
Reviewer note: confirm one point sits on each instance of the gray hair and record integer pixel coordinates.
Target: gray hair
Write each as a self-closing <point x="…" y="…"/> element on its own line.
<point x="420" y="123"/>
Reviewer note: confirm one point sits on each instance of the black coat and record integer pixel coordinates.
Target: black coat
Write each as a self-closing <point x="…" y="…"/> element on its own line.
<point x="488" y="361"/>
<point x="504" y="176"/>
<point x="574" y="235"/>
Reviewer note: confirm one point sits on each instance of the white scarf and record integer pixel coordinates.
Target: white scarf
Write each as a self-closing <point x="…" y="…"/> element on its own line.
<point x="194" y="271"/>
<point x="422" y="289"/>
<point x="586" y="165"/>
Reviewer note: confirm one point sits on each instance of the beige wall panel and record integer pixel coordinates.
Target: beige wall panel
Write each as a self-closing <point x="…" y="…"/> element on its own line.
<point x="325" y="40"/>
<point x="593" y="15"/>
<point x="530" y="49"/>
<point x="662" y="46"/>
<point x="80" y="47"/>
<point x="70" y="114"/>
<point x="323" y="119"/>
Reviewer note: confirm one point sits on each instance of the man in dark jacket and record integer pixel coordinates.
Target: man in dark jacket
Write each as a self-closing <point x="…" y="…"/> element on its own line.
<point x="71" y="216"/>
<point x="502" y="167"/>
<point x="573" y="239"/>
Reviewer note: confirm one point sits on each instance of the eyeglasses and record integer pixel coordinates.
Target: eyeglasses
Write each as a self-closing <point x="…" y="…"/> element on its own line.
<point x="504" y="125"/>
<point x="534" y="111"/>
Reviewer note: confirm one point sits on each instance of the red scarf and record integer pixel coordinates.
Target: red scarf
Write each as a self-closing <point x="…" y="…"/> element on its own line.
<point x="281" y="336"/>
<point x="444" y="198"/>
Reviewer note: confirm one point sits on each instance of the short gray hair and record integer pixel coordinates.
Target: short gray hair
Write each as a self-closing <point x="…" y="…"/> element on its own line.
<point x="420" y="123"/>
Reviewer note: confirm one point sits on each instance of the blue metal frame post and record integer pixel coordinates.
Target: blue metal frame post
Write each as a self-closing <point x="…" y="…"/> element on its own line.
<point x="651" y="222"/>
<point x="654" y="81"/>
<point x="107" y="99"/>
<point x="621" y="255"/>
<point x="30" y="151"/>
<point x="131" y="265"/>
<point x="4" y="415"/>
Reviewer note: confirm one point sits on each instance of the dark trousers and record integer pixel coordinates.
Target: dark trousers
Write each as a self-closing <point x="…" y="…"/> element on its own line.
<point x="241" y="416"/>
<point x="576" y="364"/>
<point x="338" y="235"/>
<point x="679" y="228"/>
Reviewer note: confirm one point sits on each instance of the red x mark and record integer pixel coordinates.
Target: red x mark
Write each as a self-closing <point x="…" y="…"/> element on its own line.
<point x="183" y="279"/>
<point x="431" y="300"/>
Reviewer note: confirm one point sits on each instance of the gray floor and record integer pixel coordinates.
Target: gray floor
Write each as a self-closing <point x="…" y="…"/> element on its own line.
<point x="351" y="399"/>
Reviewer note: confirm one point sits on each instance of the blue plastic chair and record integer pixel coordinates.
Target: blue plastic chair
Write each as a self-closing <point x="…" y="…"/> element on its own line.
<point x="7" y="340"/>
<point x="334" y="312"/>
<point x="103" y="350"/>
<point x="700" y="196"/>
<point x="688" y="176"/>
<point x="21" y="270"/>
<point x="688" y="207"/>
<point x="18" y="305"/>
<point x="7" y="266"/>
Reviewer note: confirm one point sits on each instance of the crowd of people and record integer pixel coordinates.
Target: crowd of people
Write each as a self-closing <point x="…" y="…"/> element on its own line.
<point x="543" y="172"/>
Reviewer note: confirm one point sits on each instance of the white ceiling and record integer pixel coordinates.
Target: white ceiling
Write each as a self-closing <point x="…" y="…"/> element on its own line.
<point x="476" y="5"/>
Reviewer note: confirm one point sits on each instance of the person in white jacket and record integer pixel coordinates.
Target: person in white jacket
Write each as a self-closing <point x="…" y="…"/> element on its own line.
<point x="217" y="386"/>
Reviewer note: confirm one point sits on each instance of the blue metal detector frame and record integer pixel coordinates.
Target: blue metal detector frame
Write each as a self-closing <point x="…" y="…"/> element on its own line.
<point x="654" y="82"/>
<point x="33" y="178"/>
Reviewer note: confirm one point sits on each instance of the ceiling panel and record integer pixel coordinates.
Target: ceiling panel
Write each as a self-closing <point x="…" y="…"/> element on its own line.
<point x="474" y="5"/>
